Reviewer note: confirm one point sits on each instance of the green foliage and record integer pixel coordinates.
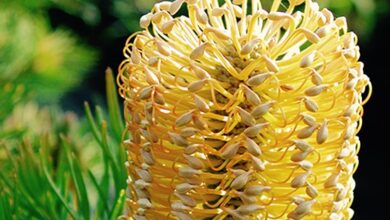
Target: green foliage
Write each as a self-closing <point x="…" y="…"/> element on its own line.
<point x="128" y="13"/>
<point x="46" y="63"/>
<point x="45" y="173"/>
<point x="10" y="95"/>
<point x="86" y="9"/>
<point x="362" y="14"/>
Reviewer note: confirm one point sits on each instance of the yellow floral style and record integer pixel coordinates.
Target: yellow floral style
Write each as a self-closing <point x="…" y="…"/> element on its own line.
<point x="238" y="111"/>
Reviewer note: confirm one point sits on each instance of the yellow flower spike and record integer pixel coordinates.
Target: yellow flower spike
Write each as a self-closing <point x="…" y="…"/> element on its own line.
<point x="238" y="114"/>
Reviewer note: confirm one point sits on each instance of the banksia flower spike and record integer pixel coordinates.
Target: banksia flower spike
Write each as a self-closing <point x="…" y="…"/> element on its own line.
<point x="241" y="112"/>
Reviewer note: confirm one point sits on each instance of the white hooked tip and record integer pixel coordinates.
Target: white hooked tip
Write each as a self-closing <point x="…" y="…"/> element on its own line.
<point x="315" y="90"/>
<point x="300" y="180"/>
<point x="240" y="181"/>
<point x="258" y="79"/>
<point x="311" y="191"/>
<point x="302" y="145"/>
<point x="199" y="72"/>
<point x="175" y="6"/>
<point x="246" y="117"/>
<point x="306" y="132"/>
<point x="323" y="132"/>
<point x="262" y="109"/>
<point x="178" y="139"/>
<point x="184" y="119"/>
<point x="251" y="96"/>
<point x="201" y="15"/>
<point x="146" y="93"/>
<point x="188" y="172"/>
<point x="308" y="60"/>
<point x="252" y="147"/>
<point x="151" y="77"/>
<point x="163" y="48"/>
<point x="201" y="104"/>
<point x="167" y="27"/>
<point x="230" y="151"/>
<point x="220" y="34"/>
<point x="218" y="12"/>
<point x="271" y="64"/>
<point x="145" y="20"/>
<point x="248" y="47"/>
<point x="310" y="36"/>
<point x="199" y="51"/>
<point x="254" y="130"/>
<point x="310" y="105"/>
<point x="196" y="86"/>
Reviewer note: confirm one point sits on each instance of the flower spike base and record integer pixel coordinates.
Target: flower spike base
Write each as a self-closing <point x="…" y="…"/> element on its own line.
<point x="241" y="112"/>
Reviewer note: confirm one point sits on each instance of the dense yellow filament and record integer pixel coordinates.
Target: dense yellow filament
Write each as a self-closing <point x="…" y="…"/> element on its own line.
<point x="240" y="113"/>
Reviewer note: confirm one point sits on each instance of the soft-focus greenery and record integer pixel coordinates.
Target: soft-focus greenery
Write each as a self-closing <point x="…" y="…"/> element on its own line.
<point x="55" y="164"/>
<point x="362" y="14"/>
<point x="46" y="62"/>
<point x="54" y="168"/>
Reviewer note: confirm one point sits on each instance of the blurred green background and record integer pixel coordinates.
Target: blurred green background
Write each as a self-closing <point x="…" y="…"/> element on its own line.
<point x="60" y="158"/>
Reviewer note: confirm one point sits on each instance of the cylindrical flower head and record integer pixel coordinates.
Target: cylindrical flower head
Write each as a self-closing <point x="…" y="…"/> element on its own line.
<point x="238" y="112"/>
